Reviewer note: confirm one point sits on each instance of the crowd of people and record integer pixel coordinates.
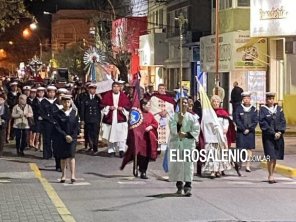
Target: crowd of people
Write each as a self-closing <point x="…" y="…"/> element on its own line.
<point x="49" y="118"/>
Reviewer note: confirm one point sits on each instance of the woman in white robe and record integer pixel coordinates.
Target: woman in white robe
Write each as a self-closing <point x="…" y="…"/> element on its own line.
<point x="184" y="133"/>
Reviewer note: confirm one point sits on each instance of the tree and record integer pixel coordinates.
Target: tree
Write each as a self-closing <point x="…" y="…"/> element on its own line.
<point x="72" y="58"/>
<point x="11" y="12"/>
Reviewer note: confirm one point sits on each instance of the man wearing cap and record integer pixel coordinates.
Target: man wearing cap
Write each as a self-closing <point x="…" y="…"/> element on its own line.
<point x="235" y="96"/>
<point x="162" y="107"/>
<point x="36" y="106"/>
<point x="91" y="117"/>
<point x="12" y="100"/>
<point x="48" y="109"/>
<point x="246" y="119"/>
<point x="114" y="125"/>
<point x="32" y="96"/>
<point x="31" y="134"/>
<point x="273" y="125"/>
<point x="26" y="90"/>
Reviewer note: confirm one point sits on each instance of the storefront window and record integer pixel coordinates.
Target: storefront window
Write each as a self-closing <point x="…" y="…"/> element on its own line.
<point x="243" y="3"/>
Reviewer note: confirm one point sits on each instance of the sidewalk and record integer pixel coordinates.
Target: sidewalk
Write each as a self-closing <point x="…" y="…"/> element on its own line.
<point x="22" y="196"/>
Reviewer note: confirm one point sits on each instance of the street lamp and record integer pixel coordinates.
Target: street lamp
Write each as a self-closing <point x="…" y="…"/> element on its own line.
<point x="27" y="33"/>
<point x="182" y="20"/>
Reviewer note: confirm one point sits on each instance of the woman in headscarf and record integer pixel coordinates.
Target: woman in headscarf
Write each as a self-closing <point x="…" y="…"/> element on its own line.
<point x="67" y="126"/>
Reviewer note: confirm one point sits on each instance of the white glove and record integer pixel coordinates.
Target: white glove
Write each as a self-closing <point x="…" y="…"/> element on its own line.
<point x="69" y="139"/>
<point x="277" y="136"/>
<point x="246" y="131"/>
<point x="148" y="128"/>
<point x="40" y="118"/>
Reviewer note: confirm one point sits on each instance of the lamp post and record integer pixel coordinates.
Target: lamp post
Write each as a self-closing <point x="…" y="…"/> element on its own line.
<point x="182" y="20"/>
<point x="27" y="33"/>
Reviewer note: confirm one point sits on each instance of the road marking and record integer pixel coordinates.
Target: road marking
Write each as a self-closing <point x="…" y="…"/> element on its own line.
<point x="56" y="200"/>
<point x="5" y="181"/>
<point x="77" y="184"/>
<point x="131" y="182"/>
<point x="240" y="182"/>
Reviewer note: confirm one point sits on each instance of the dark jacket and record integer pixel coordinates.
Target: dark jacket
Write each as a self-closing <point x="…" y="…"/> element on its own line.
<point x="90" y="111"/>
<point x="5" y="117"/>
<point x="48" y="110"/>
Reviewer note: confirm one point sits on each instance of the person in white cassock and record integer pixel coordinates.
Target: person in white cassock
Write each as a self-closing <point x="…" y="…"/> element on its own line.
<point x="116" y="106"/>
<point x="184" y="133"/>
<point x="162" y="107"/>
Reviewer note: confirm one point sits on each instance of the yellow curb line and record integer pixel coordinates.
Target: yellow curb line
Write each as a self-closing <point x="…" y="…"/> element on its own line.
<point x="281" y="169"/>
<point x="56" y="200"/>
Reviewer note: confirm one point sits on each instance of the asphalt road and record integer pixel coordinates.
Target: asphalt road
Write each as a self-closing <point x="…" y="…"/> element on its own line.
<point x="104" y="193"/>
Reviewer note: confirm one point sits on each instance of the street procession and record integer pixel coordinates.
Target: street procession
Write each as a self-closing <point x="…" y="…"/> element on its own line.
<point x="147" y="110"/>
<point x="137" y="125"/>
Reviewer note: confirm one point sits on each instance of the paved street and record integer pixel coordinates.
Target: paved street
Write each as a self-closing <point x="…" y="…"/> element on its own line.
<point x="104" y="193"/>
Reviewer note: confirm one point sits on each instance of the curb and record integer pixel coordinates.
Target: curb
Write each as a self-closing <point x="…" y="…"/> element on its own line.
<point x="282" y="169"/>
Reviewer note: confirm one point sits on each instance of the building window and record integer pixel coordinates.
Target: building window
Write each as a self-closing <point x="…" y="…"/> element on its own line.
<point x="243" y="3"/>
<point x="225" y="4"/>
<point x="160" y="18"/>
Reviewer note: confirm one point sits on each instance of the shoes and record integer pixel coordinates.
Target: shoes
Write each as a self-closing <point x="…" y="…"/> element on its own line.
<point x="272" y="181"/>
<point x="222" y="173"/>
<point x="73" y="180"/>
<point x="248" y="170"/>
<point x="218" y="174"/>
<point x="236" y="167"/>
<point x="121" y="154"/>
<point x="212" y="176"/>
<point x="187" y="191"/>
<point x="62" y="180"/>
<point x="143" y="176"/>
<point x="179" y="191"/>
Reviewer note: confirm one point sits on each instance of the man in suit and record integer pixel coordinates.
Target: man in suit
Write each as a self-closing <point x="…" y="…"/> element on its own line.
<point x="91" y="117"/>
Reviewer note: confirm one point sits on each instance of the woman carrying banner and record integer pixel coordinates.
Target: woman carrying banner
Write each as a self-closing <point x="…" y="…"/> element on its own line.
<point x="217" y="139"/>
<point x="144" y="139"/>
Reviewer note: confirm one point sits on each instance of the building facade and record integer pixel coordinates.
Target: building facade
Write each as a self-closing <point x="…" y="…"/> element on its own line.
<point x="274" y="20"/>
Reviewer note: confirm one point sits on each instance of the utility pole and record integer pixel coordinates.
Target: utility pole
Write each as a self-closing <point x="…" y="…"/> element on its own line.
<point x="182" y="20"/>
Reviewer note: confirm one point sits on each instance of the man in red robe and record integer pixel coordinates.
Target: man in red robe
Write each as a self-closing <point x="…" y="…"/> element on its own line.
<point x="114" y="125"/>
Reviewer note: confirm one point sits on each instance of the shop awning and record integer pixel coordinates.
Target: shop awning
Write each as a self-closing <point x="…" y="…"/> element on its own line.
<point x="248" y="44"/>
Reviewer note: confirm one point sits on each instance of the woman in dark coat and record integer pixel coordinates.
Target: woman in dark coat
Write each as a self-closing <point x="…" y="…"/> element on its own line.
<point x="67" y="126"/>
<point x="273" y="125"/>
<point x="246" y="119"/>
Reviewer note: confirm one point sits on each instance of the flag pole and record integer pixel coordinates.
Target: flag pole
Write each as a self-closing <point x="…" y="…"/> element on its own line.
<point x="217" y="41"/>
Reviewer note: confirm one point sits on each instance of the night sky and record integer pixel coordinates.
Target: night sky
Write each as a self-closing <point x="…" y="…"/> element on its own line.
<point x="36" y="7"/>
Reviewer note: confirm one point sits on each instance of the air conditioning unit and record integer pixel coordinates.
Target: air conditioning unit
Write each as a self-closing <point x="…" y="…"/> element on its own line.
<point x="158" y="30"/>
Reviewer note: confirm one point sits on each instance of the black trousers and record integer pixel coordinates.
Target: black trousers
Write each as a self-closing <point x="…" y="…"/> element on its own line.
<point x="92" y="130"/>
<point x="143" y="163"/>
<point x="21" y="139"/>
<point x="2" y="139"/>
<point x="47" y="134"/>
